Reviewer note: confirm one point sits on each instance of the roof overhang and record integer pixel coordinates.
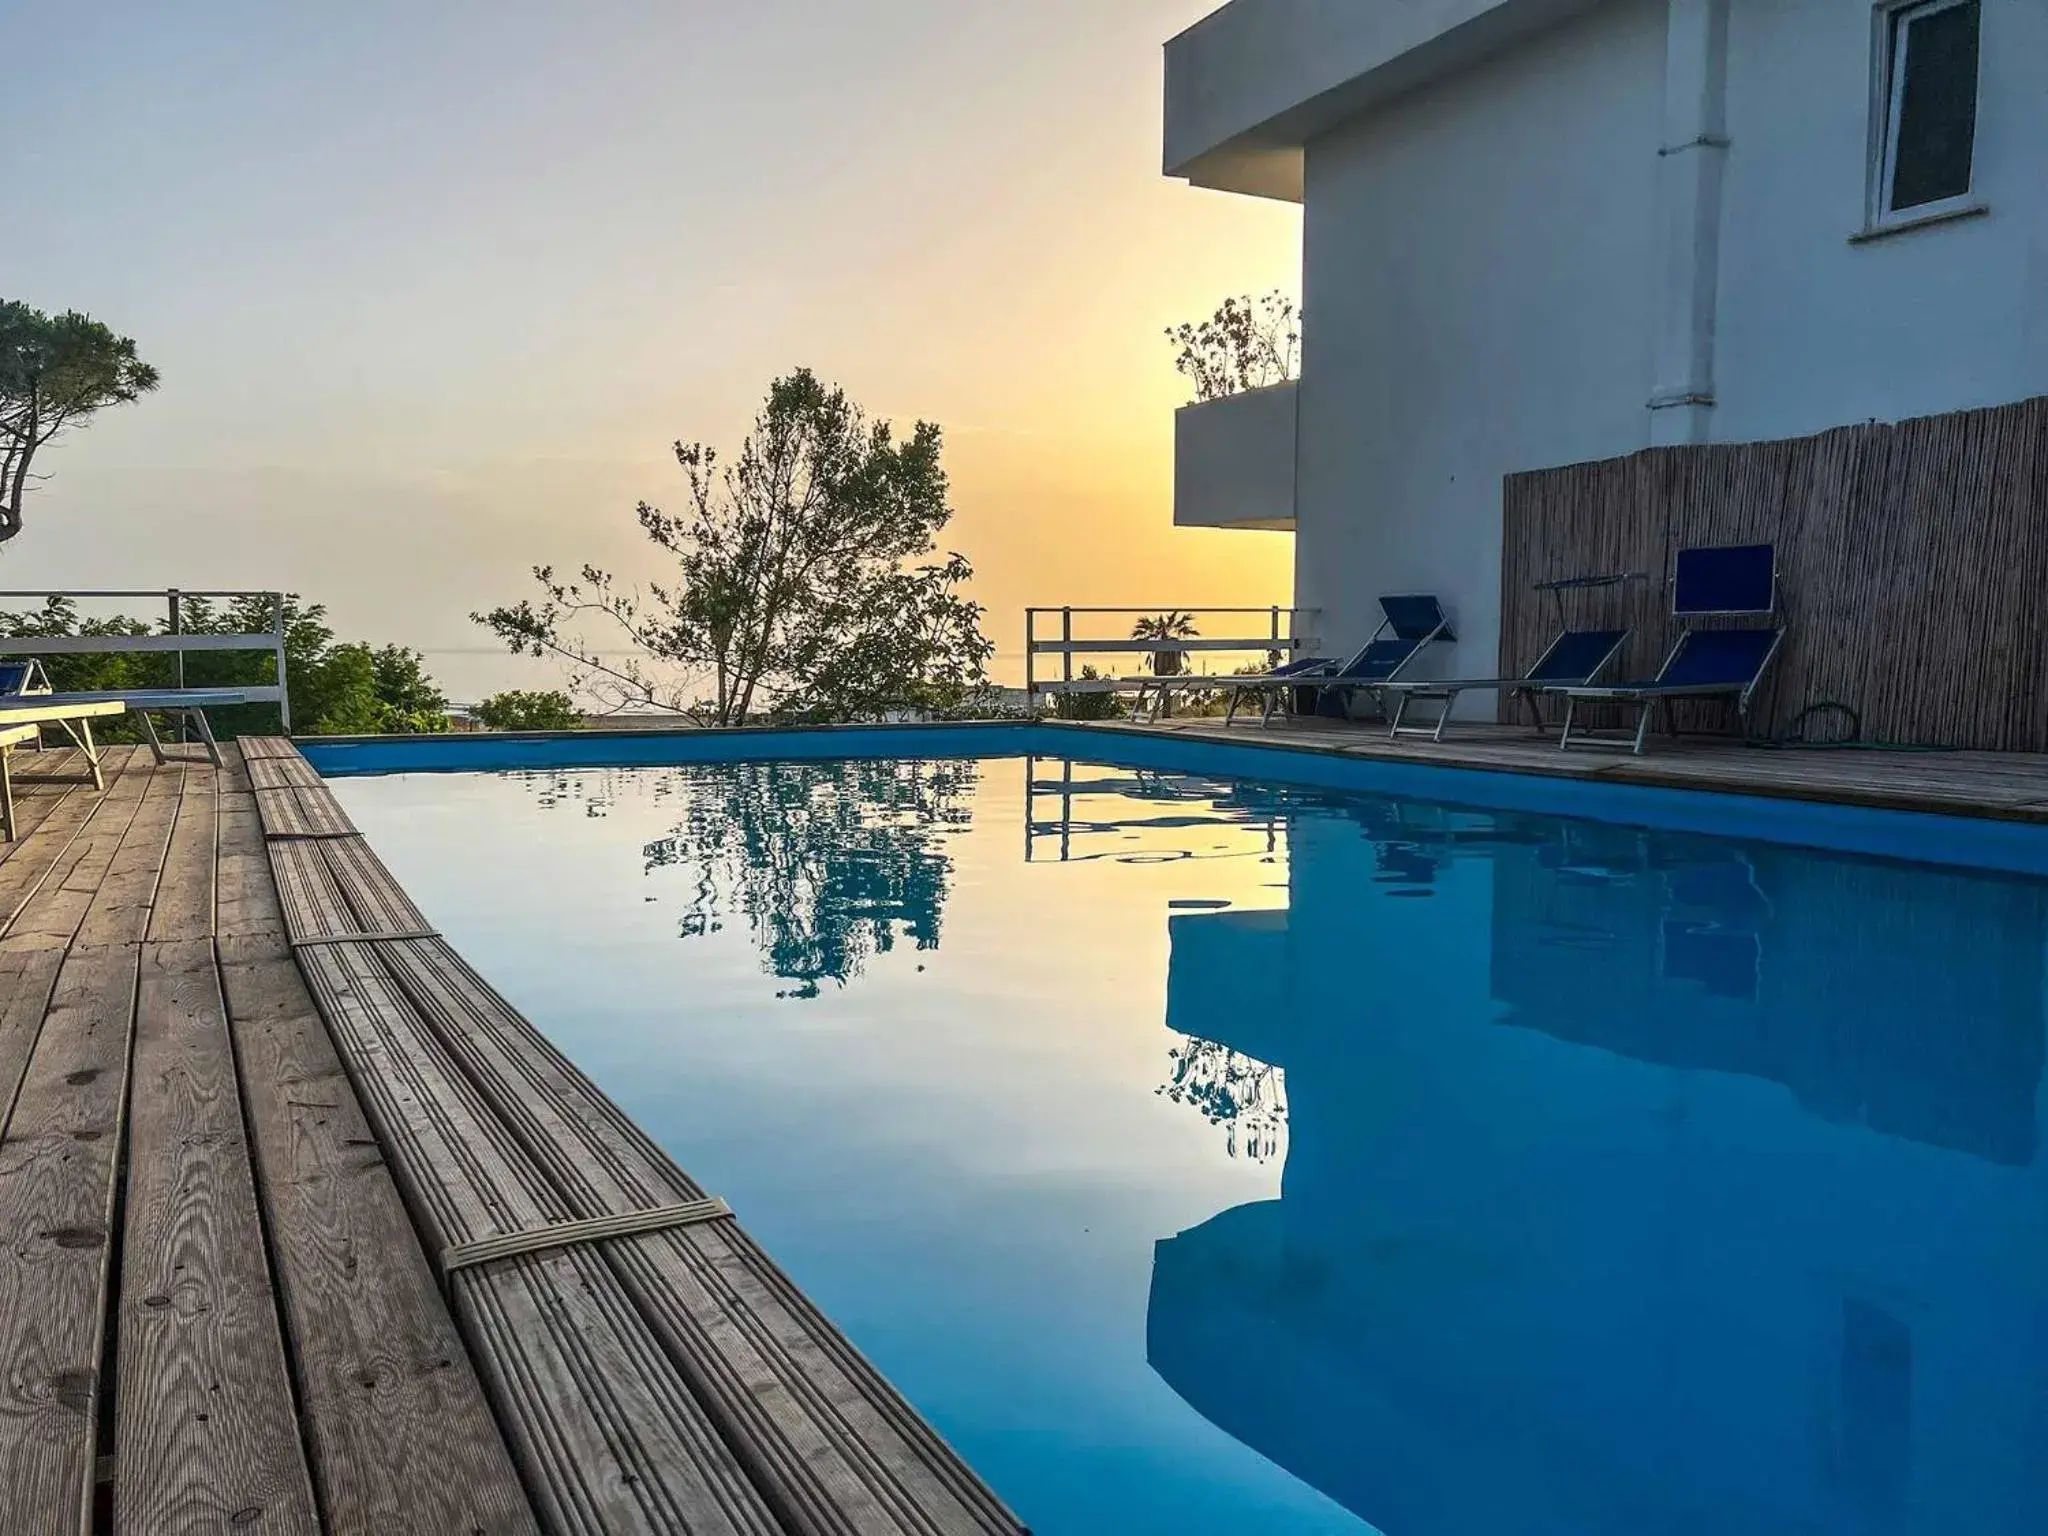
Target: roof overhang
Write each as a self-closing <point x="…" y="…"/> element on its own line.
<point x="1249" y="85"/>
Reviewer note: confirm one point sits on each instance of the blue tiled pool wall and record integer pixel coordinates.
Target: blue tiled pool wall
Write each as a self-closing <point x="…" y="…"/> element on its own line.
<point x="1971" y="842"/>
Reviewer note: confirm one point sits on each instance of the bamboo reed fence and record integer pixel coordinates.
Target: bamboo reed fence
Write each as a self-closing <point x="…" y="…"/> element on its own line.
<point x="1913" y="559"/>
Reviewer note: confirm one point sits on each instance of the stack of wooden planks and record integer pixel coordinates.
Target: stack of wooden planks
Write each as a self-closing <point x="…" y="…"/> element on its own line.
<point x="652" y="1380"/>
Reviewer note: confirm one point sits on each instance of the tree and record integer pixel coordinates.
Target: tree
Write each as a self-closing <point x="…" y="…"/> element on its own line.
<point x="794" y="590"/>
<point x="1170" y="625"/>
<point x="520" y="709"/>
<point x="55" y="372"/>
<point x="1247" y="344"/>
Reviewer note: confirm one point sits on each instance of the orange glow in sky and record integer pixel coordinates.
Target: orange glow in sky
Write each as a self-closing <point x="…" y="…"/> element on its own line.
<point x="432" y="297"/>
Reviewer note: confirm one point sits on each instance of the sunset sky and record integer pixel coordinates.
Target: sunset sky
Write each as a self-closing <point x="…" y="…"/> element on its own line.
<point x="433" y="288"/>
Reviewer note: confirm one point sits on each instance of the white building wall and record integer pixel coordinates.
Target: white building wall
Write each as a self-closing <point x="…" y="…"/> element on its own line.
<point x="1817" y="332"/>
<point x="1484" y="282"/>
<point x="1233" y="461"/>
<point x="1480" y="276"/>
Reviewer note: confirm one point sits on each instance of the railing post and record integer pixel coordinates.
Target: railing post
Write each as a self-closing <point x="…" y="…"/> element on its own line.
<point x="1030" y="784"/>
<point x="1030" y="660"/>
<point x="1066" y="809"/>
<point x="177" y="628"/>
<point x="1067" y="637"/>
<point x="284" y="698"/>
<point x="177" y="620"/>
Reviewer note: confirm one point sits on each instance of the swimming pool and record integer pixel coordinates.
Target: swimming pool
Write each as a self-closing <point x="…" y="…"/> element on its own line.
<point x="1205" y="1152"/>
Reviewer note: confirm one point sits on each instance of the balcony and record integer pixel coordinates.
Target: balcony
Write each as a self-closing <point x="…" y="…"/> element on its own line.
<point x="1248" y="86"/>
<point x="1233" y="461"/>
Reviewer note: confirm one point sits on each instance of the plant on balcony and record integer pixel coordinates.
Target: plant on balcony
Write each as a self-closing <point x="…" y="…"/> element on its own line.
<point x="1249" y="343"/>
<point x="1171" y="625"/>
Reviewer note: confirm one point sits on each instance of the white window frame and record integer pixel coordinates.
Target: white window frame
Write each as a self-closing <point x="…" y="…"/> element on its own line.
<point x="1887" y="101"/>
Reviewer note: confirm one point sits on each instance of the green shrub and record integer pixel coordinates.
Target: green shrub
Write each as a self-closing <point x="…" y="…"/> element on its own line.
<point x="1088" y="706"/>
<point x="522" y="709"/>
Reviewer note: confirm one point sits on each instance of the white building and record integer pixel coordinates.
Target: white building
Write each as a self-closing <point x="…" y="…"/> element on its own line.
<point x="1538" y="232"/>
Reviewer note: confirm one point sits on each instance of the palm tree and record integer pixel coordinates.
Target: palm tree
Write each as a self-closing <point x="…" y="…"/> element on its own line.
<point x="1170" y="625"/>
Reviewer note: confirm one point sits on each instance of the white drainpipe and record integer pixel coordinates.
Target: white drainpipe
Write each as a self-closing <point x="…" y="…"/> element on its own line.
<point x="1691" y="163"/>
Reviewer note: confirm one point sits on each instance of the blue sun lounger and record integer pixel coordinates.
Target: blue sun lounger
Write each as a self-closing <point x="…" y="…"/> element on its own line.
<point x="1413" y="622"/>
<point x="1740" y="581"/>
<point x="1575" y="656"/>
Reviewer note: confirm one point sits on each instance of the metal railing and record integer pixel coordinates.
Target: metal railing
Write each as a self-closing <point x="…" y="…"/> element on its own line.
<point x="174" y="639"/>
<point x="1285" y="632"/>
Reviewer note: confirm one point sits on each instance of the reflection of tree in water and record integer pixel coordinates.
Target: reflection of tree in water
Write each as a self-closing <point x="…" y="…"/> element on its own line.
<point x="1246" y="1097"/>
<point x="829" y="862"/>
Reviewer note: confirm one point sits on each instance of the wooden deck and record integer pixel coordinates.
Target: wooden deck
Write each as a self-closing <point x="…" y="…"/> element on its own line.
<point x="258" y="1121"/>
<point x="2010" y="786"/>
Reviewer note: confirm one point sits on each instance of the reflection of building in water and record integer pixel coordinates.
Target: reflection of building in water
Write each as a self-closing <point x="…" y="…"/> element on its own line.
<point x="1632" y="1186"/>
<point x="1078" y="813"/>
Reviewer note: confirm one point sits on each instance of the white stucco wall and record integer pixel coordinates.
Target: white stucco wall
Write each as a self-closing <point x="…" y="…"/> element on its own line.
<point x="1815" y="332"/>
<point x="1484" y="283"/>
<point x="1479" y="278"/>
<point x="1233" y="461"/>
<point x="1250" y="83"/>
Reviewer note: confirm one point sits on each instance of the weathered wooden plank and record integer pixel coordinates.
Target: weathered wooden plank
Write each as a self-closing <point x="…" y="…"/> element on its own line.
<point x="27" y="975"/>
<point x="182" y="906"/>
<point x="396" y="1423"/>
<point x="245" y="893"/>
<point x="836" y="1448"/>
<point x="118" y="901"/>
<point x="302" y="813"/>
<point x="380" y="904"/>
<point x="31" y="857"/>
<point x="45" y="923"/>
<point x="205" y="1433"/>
<point x="254" y="747"/>
<point x="57" y="1167"/>
<point x="401" y="1438"/>
<point x="306" y="896"/>
<point x="59" y="1157"/>
<point x="283" y="771"/>
<point x="35" y="797"/>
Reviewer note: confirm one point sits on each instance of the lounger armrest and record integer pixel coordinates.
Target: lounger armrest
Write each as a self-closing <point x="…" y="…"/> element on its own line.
<point x="1626" y="691"/>
<point x="1450" y="685"/>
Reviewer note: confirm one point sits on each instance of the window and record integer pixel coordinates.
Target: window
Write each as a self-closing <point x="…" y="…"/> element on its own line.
<point x="1927" y="79"/>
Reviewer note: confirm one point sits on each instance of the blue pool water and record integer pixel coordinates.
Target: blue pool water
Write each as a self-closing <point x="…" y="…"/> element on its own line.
<point x="1203" y="1154"/>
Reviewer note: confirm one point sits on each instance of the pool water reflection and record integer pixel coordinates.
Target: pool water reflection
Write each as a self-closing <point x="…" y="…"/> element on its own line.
<point x="1205" y="1155"/>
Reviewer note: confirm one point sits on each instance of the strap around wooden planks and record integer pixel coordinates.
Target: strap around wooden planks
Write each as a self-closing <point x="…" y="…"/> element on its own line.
<point x="593" y="1229"/>
<point x="364" y="937"/>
